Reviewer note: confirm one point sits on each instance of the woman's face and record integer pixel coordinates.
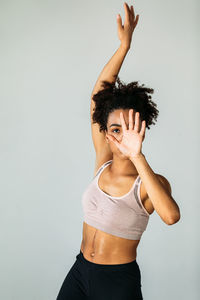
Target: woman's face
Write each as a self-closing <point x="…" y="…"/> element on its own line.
<point x="114" y="126"/>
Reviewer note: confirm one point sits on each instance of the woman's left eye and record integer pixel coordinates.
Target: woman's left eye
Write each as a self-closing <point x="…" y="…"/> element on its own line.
<point x="114" y="130"/>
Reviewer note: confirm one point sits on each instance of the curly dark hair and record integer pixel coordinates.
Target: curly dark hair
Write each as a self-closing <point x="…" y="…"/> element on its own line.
<point x="125" y="96"/>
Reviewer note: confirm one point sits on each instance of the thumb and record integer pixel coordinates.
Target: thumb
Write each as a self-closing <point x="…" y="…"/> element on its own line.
<point x="119" y="22"/>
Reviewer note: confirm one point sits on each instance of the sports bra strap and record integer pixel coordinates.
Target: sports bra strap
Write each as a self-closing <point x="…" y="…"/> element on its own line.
<point x="102" y="166"/>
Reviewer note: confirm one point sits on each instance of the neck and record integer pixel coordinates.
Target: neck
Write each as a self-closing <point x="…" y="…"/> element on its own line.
<point x="122" y="166"/>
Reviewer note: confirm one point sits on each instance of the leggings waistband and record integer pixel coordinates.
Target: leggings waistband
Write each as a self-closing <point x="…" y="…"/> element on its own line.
<point x="131" y="264"/>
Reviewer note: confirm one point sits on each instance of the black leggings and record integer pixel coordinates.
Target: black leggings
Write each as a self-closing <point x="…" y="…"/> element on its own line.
<point x="91" y="281"/>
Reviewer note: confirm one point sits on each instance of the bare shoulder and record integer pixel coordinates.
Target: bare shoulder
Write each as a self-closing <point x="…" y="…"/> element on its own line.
<point x="101" y="158"/>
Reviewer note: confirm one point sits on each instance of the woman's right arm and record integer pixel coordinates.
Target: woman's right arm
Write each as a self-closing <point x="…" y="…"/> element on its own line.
<point x="109" y="73"/>
<point x="111" y="69"/>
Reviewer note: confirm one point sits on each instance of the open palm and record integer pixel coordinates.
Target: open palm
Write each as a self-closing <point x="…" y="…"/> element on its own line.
<point x="125" y="31"/>
<point x="131" y="143"/>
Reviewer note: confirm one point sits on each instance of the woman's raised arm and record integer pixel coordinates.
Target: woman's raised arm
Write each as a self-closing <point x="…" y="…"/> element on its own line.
<point x="111" y="70"/>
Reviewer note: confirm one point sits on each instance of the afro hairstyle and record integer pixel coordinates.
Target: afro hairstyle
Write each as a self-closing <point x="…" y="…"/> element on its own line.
<point x="123" y="96"/>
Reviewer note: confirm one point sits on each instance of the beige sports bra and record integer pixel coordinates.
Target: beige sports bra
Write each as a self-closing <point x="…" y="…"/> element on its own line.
<point x="123" y="216"/>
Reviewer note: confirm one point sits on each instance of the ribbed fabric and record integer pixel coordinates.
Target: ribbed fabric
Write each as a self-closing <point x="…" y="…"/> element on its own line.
<point x="123" y="216"/>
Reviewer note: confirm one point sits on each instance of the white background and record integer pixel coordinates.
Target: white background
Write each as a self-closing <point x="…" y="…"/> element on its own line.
<point x="51" y="54"/>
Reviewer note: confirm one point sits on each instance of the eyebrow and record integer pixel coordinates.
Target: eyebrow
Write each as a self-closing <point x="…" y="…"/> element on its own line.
<point x="115" y="125"/>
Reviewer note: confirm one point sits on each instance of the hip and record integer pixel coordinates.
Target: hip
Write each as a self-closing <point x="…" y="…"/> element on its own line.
<point x="113" y="281"/>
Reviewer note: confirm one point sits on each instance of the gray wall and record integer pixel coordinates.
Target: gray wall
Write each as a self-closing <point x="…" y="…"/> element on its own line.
<point x="50" y="57"/>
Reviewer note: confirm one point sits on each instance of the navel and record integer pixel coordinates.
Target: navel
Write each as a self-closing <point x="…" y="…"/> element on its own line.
<point x="93" y="253"/>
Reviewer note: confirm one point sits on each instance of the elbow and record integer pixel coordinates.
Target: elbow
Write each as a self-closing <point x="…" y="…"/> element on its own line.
<point x="174" y="219"/>
<point x="175" y="216"/>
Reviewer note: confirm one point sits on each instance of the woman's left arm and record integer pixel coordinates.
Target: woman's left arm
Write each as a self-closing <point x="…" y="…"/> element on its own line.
<point x="157" y="186"/>
<point x="158" y="190"/>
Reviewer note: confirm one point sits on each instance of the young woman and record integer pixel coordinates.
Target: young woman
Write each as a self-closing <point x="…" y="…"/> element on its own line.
<point x="124" y="192"/>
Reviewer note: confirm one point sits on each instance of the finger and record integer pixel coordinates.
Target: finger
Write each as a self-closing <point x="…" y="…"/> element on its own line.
<point x="136" y="20"/>
<point x="137" y="121"/>
<point x="119" y="22"/>
<point x="133" y="13"/>
<point x="130" y="126"/>
<point x="113" y="139"/>
<point x="127" y="17"/>
<point x="143" y="127"/>
<point x="124" y="128"/>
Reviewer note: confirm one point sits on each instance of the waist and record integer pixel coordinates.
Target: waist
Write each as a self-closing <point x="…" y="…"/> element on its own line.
<point x="113" y="266"/>
<point x="103" y="248"/>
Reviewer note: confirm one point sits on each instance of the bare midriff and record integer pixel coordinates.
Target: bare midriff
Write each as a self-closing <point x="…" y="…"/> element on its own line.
<point x="102" y="248"/>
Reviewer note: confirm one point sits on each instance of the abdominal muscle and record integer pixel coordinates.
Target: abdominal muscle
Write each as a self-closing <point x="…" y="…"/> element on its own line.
<point x="102" y="248"/>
